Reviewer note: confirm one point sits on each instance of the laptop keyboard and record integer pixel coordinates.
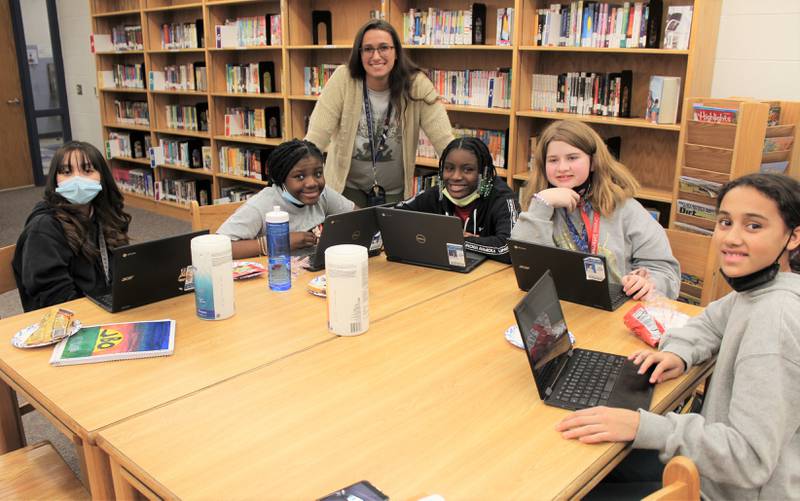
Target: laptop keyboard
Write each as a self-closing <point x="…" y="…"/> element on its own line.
<point x="618" y="295"/>
<point x="590" y="379"/>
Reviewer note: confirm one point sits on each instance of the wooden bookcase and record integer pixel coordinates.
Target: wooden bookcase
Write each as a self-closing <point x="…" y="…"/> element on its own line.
<point x="719" y="152"/>
<point x="649" y="150"/>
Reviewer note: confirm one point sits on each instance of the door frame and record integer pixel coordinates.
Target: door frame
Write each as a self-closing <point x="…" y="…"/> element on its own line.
<point x="31" y="114"/>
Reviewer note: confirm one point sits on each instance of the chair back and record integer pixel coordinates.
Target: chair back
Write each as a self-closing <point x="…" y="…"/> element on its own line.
<point x="7" y="282"/>
<point x="211" y="217"/>
<point x="681" y="481"/>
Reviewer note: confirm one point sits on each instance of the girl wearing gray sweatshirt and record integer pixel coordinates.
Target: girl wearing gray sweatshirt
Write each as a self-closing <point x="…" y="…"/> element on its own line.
<point x="746" y="441"/>
<point x="583" y="200"/>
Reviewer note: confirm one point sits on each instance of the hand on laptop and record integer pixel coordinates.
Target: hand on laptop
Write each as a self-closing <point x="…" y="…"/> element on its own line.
<point x="301" y="239"/>
<point x="600" y="424"/>
<point x="560" y="197"/>
<point x="637" y="283"/>
<point x="667" y="365"/>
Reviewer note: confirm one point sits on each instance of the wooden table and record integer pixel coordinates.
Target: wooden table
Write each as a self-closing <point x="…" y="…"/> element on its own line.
<point x="431" y="400"/>
<point x="267" y="326"/>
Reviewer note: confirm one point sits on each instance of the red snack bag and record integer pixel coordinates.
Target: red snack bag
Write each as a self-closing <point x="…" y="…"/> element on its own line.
<point x="646" y="328"/>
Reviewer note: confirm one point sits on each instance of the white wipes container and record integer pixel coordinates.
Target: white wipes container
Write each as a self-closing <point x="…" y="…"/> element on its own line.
<point x="346" y="272"/>
<point x="213" y="276"/>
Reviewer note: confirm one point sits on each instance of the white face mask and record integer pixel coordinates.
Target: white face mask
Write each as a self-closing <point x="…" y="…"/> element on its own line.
<point x="462" y="202"/>
<point x="79" y="190"/>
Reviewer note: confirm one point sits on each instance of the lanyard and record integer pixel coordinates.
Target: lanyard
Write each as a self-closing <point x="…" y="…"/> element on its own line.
<point x="374" y="149"/>
<point x="103" y="252"/>
<point x="584" y="241"/>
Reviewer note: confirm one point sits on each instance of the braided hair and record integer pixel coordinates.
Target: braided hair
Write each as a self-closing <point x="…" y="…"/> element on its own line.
<point x="283" y="158"/>
<point x="486" y="168"/>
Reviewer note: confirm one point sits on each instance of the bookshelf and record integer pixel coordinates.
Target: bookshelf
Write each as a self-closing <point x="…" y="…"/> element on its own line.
<point x="718" y="152"/>
<point x="650" y="150"/>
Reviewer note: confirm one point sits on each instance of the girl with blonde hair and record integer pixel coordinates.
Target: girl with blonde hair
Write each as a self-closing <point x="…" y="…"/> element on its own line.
<point x="581" y="198"/>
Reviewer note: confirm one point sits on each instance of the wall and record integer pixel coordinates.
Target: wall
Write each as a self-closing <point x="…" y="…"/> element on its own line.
<point x="84" y="110"/>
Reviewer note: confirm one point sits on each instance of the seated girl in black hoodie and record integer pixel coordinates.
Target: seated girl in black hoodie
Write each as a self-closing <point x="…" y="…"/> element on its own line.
<point x="63" y="251"/>
<point x="472" y="191"/>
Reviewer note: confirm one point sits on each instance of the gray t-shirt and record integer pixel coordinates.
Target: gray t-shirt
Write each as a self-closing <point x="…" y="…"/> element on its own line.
<point x="389" y="164"/>
<point x="248" y="220"/>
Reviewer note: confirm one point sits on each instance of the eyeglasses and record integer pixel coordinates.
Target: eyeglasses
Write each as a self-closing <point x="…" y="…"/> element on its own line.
<point x="370" y="51"/>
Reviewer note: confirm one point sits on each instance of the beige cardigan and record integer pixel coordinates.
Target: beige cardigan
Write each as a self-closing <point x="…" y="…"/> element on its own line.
<point x="334" y="123"/>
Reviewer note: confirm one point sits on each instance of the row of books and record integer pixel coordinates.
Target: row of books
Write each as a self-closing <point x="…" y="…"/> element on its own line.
<point x="485" y="88"/>
<point x="235" y="193"/>
<point x="182" y="35"/>
<point x="495" y="140"/>
<point x="663" y="99"/>
<point x="435" y="26"/>
<point x="256" y="31"/>
<point x="316" y="77"/>
<point x="599" y="24"/>
<point x="192" y="117"/>
<point x="584" y="93"/>
<point x="139" y="181"/>
<point x="131" y="112"/>
<point x="258" y="122"/>
<point x="183" y="191"/>
<point x="189" y="153"/>
<point x="244" y="162"/>
<point x="127" y="37"/>
<point x="423" y="182"/>
<point x="123" y="76"/>
<point x="128" y="144"/>
<point x="185" y="77"/>
<point x="251" y="78"/>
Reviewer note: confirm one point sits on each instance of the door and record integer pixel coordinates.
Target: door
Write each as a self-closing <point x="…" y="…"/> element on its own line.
<point x="16" y="169"/>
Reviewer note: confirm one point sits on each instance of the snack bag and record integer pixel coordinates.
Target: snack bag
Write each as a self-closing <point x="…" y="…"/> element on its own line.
<point x="644" y="325"/>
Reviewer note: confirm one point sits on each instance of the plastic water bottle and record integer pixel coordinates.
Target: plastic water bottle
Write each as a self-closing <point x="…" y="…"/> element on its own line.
<point x="277" y="231"/>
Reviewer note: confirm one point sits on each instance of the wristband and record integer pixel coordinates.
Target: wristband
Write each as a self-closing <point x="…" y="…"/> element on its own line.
<point x="541" y="199"/>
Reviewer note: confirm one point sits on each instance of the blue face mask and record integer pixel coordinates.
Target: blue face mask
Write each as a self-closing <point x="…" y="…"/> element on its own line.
<point x="290" y="198"/>
<point x="79" y="190"/>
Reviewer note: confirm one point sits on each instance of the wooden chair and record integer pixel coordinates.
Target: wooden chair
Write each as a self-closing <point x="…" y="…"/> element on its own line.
<point x="211" y="217"/>
<point x="681" y="482"/>
<point x="7" y="282"/>
<point x="38" y="472"/>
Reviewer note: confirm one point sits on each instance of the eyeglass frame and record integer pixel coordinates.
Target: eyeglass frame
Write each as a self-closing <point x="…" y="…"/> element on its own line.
<point x="382" y="49"/>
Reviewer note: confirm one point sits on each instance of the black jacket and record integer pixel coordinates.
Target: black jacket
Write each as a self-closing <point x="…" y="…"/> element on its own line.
<point x="492" y="218"/>
<point x="45" y="268"/>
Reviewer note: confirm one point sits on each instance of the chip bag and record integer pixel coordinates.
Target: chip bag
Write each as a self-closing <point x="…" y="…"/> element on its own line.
<point x="644" y="325"/>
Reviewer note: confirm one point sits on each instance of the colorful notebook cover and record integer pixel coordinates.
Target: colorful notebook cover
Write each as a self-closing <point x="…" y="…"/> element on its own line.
<point x="125" y="340"/>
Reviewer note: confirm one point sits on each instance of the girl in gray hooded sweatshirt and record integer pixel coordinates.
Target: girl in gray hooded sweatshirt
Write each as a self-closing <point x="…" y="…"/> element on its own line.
<point x="746" y="441"/>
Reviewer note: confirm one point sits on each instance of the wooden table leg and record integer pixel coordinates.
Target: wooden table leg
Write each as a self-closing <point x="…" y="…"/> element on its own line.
<point x="123" y="490"/>
<point x="98" y="472"/>
<point x="12" y="435"/>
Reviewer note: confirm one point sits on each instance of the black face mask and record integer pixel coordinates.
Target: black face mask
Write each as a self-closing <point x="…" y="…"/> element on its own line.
<point x="757" y="278"/>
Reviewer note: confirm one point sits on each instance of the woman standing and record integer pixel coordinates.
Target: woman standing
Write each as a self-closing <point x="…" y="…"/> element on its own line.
<point x="369" y="117"/>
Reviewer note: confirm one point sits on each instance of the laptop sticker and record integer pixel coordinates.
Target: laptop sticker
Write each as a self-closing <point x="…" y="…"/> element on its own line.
<point x="377" y="242"/>
<point x="594" y="269"/>
<point x="455" y="255"/>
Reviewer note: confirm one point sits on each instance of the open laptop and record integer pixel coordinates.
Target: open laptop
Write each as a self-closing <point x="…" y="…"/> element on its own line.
<point x="580" y="277"/>
<point x="569" y="377"/>
<point x="357" y="227"/>
<point x="425" y="239"/>
<point x="147" y="272"/>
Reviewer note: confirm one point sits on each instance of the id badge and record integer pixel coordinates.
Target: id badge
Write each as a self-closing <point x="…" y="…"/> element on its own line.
<point x="376" y="196"/>
<point x="593" y="266"/>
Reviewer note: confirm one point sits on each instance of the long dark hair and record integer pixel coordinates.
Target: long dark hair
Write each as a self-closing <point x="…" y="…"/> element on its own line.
<point x="781" y="189"/>
<point x="286" y="155"/>
<point x="401" y="78"/>
<point x="76" y="219"/>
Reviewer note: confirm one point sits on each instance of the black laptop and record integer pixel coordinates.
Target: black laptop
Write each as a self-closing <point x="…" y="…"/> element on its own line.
<point x="357" y="227"/>
<point x="580" y="277"/>
<point x="568" y="377"/>
<point x="425" y="239"/>
<point x="148" y="272"/>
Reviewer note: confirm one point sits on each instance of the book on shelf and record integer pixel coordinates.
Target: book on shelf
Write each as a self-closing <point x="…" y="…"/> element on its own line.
<point x="423" y="181"/>
<point x="678" y="27"/>
<point x="206" y="152"/>
<point x="434" y="26"/>
<point x="191" y="117"/>
<point x="693" y="228"/>
<point x="118" y="341"/>
<point x="316" y="77"/>
<point x="258" y="122"/>
<point x="123" y="76"/>
<point x="131" y="144"/>
<point x="186" y="153"/>
<point x="532" y="141"/>
<point x="139" y="181"/>
<point x="244" y="162"/>
<point x="699" y="186"/>
<point x="183" y="191"/>
<point x="774" y="115"/>
<point x="654" y="212"/>
<point x="775" y="167"/>
<point x="663" y="99"/>
<point x="200" y="77"/>
<point x="484" y="88"/>
<point x="182" y="77"/>
<point x="780" y="143"/>
<point x="713" y="114"/>
<point x="126" y="37"/>
<point x="505" y="25"/>
<point x="252" y="78"/>
<point x="235" y="193"/>
<point x="583" y="93"/>
<point x="182" y="35"/>
<point x="131" y="112"/>
<point x="495" y="140"/>
<point x="697" y="209"/>
<point x="478" y="23"/>
<point x="255" y="31"/>
<point x="598" y="24"/>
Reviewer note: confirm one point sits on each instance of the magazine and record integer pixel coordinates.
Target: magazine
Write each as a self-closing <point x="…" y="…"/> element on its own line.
<point x="119" y="341"/>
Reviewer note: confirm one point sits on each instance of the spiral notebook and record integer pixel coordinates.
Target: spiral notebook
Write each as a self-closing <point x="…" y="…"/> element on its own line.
<point x="118" y="341"/>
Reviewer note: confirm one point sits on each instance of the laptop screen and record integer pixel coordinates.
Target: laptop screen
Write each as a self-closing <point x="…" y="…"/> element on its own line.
<point x="544" y="331"/>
